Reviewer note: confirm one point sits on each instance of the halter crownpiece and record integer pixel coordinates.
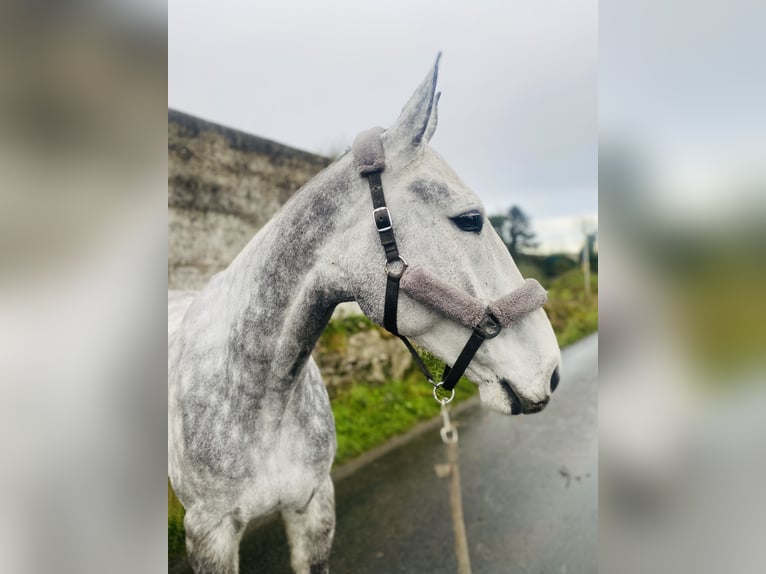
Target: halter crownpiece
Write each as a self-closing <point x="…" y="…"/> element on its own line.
<point x="486" y="321"/>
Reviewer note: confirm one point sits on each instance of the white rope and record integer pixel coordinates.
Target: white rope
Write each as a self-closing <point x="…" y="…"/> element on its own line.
<point x="452" y="469"/>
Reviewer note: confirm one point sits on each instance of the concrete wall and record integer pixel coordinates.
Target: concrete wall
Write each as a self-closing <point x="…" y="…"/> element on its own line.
<point x="223" y="186"/>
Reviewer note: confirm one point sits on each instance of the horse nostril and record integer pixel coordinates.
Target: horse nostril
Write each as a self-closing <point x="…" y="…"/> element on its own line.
<point x="555" y="377"/>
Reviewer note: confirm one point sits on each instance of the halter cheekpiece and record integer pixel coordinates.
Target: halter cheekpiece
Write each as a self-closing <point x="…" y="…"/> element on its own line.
<point x="486" y="321"/>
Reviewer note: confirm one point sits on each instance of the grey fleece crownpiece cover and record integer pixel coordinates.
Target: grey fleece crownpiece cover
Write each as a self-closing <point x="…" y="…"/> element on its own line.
<point x="368" y="151"/>
<point x="465" y="309"/>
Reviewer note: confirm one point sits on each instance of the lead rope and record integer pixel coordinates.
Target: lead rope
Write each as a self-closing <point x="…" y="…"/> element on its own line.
<point x="452" y="469"/>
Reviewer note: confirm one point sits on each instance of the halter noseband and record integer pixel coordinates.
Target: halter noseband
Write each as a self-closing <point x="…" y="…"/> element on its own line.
<point x="486" y="321"/>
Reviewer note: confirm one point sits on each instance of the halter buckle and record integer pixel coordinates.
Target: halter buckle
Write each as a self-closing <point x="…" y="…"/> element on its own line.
<point x="382" y="218"/>
<point x="489" y="327"/>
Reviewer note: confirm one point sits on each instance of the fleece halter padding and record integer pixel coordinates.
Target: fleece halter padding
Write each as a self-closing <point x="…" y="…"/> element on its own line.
<point x="519" y="303"/>
<point x="368" y="151"/>
<point x="462" y="308"/>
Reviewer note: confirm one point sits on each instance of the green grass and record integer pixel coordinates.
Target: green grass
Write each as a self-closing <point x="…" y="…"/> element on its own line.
<point x="176" y="543"/>
<point x="346" y="326"/>
<point x="573" y="314"/>
<point x="368" y="414"/>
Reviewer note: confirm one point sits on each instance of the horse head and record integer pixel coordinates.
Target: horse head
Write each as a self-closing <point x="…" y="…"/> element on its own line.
<point x="441" y="227"/>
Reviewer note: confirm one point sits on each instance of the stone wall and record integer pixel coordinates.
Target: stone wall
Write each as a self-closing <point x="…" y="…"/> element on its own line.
<point x="352" y="350"/>
<point x="223" y="186"/>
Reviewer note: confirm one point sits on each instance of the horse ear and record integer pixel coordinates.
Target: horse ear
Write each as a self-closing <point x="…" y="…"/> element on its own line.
<point x="434" y="119"/>
<point x="413" y="123"/>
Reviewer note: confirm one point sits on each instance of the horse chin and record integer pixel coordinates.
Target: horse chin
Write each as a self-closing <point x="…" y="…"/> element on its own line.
<point x="500" y="397"/>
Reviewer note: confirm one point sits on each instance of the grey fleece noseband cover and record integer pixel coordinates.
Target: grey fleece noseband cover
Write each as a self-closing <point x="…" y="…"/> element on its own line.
<point x="428" y="289"/>
<point x="465" y="309"/>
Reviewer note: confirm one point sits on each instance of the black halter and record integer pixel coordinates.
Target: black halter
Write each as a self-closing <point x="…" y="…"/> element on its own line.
<point x="488" y="328"/>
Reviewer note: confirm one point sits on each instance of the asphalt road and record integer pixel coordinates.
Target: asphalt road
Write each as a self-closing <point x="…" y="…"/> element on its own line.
<point x="529" y="494"/>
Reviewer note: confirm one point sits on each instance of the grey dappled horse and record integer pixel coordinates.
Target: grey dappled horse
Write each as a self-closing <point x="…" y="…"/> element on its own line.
<point x="250" y="430"/>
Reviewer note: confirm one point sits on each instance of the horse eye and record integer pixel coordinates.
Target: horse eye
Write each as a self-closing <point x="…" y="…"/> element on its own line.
<point x="471" y="221"/>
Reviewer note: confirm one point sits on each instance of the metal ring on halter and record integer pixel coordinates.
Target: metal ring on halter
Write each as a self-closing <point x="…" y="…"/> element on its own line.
<point x="445" y="400"/>
<point x="395" y="275"/>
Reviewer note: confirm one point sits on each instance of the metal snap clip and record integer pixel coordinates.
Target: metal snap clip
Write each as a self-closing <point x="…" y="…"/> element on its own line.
<point x="448" y="431"/>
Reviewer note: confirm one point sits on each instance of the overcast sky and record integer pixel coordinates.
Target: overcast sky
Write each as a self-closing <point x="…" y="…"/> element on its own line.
<point x="518" y="113"/>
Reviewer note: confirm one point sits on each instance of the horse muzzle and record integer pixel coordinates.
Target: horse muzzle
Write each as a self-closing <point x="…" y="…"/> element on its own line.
<point x="521" y="404"/>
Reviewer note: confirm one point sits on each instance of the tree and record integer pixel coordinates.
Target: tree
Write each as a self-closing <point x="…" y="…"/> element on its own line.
<point x="501" y="224"/>
<point x="591" y="242"/>
<point x="515" y="229"/>
<point x="520" y="234"/>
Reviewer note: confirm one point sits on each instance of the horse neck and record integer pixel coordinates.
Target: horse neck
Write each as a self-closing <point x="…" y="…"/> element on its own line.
<point x="286" y="283"/>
